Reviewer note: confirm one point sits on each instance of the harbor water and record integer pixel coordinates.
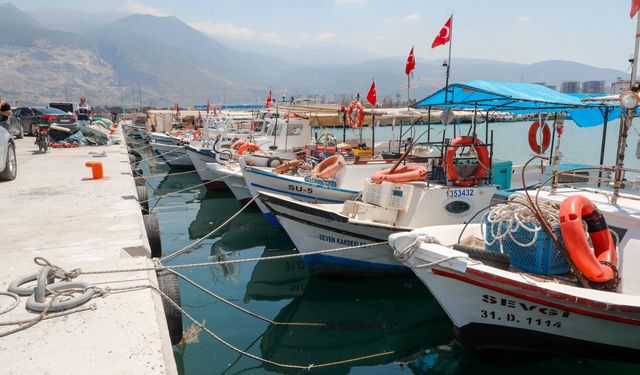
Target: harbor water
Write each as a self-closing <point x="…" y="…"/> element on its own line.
<point x="372" y="326"/>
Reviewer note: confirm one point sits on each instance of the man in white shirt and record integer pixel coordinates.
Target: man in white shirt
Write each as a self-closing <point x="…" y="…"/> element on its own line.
<point x="83" y="112"/>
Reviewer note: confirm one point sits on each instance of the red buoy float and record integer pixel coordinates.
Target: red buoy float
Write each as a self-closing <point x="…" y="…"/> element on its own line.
<point x="483" y="161"/>
<point x="596" y="264"/>
<point x="533" y="137"/>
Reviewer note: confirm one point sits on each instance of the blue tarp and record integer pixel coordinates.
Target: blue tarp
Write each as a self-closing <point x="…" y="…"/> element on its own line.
<point x="519" y="98"/>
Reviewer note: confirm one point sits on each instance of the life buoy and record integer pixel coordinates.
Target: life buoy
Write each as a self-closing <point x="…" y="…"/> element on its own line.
<point x="329" y="167"/>
<point x="197" y="135"/>
<point x="355" y="119"/>
<point x="235" y="145"/>
<point x="286" y="166"/>
<point x="598" y="264"/>
<point x="407" y="173"/>
<point x="483" y="160"/>
<point x="533" y="137"/>
<point x="251" y="147"/>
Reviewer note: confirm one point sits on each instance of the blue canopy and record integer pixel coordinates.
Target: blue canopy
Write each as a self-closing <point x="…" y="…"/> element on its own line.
<point x="519" y="98"/>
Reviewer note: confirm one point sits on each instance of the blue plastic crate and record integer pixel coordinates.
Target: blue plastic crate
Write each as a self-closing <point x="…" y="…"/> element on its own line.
<point x="542" y="257"/>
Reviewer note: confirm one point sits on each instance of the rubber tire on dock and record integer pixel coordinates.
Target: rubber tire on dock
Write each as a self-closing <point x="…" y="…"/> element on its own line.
<point x="136" y="154"/>
<point x="274" y="161"/>
<point x="143" y="198"/>
<point x="139" y="180"/>
<point x="168" y="284"/>
<point x="153" y="234"/>
<point x="132" y="159"/>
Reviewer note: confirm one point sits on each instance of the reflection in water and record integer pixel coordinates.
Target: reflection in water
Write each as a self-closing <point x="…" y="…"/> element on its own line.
<point x="215" y="208"/>
<point x="390" y="314"/>
<point x="273" y="280"/>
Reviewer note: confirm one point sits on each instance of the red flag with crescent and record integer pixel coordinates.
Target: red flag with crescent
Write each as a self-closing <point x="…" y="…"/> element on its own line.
<point x="635" y="7"/>
<point x="371" y="96"/>
<point x="267" y="103"/>
<point x="411" y="63"/>
<point x="444" y="36"/>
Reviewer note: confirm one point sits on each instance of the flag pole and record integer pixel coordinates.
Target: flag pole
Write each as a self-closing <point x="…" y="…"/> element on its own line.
<point x="408" y="89"/>
<point x="446" y="85"/>
<point x="373" y="130"/>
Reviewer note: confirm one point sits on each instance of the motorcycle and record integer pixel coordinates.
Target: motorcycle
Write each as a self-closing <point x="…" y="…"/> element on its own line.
<point x="42" y="137"/>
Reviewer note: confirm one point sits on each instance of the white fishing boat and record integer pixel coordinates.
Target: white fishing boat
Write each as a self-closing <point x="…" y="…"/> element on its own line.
<point x="384" y="209"/>
<point x="231" y="175"/>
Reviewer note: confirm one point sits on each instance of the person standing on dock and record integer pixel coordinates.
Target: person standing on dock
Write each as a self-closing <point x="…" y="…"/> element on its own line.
<point x="83" y="112"/>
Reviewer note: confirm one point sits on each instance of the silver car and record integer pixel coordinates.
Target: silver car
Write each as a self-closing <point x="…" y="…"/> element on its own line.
<point x="8" y="161"/>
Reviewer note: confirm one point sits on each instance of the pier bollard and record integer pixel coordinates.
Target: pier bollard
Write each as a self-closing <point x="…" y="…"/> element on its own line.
<point x="96" y="169"/>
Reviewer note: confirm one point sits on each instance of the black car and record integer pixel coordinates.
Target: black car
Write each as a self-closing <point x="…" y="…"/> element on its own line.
<point x="12" y="124"/>
<point x="30" y="117"/>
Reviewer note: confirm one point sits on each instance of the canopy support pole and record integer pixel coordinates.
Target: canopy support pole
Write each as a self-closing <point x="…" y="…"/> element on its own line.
<point x="429" y="124"/>
<point x="626" y="122"/>
<point x="603" y="144"/>
<point x="486" y="128"/>
<point x="475" y="118"/>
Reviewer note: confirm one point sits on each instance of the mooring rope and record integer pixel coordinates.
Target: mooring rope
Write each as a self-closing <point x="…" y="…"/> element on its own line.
<point x="236" y="261"/>
<point x="200" y="240"/>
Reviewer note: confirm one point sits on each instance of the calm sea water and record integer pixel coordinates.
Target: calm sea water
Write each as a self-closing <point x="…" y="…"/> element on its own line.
<point x="359" y="317"/>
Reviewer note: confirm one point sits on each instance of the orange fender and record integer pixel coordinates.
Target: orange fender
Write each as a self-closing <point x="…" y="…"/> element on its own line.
<point x="251" y="147"/>
<point x="286" y="166"/>
<point x="407" y="173"/>
<point x="329" y="167"/>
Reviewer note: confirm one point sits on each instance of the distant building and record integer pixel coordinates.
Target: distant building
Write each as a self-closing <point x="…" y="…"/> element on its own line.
<point x="570" y="87"/>
<point x="593" y="87"/>
<point x="620" y="85"/>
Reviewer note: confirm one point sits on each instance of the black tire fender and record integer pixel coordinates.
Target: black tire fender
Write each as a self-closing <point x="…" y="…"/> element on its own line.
<point x="168" y="284"/>
<point x="153" y="234"/>
<point x="274" y="161"/>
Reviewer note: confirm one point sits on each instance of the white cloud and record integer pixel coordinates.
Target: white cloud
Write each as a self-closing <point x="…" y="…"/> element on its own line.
<point x="272" y="37"/>
<point x="524" y="19"/>
<point x="133" y="6"/>
<point x="224" y="29"/>
<point x="351" y="2"/>
<point x="304" y="37"/>
<point x="325" y="37"/>
<point x="412" y="17"/>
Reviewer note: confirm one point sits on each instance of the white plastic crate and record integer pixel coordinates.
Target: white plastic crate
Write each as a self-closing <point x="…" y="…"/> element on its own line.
<point x="388" y="195"/>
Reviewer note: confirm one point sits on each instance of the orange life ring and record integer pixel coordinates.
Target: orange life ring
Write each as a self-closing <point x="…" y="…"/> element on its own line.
<point x="355" y="120"/>
<point x="598" y="264"/>
<point x="407" y="173"/>
<point x="251" y="147"/>
<point x="533" y="137"/>
<point x="483" y="161"/>
<point x="329" y="167"/>
<point x="197" y="135"/>
<point x="235" y="145"/>
<point x="286" y="166"/>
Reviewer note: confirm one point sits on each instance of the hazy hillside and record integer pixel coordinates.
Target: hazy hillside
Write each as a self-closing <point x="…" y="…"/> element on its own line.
<point x="161" y="60"/>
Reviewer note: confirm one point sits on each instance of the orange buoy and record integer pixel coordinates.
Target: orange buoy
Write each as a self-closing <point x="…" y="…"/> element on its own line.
<point x="251" y="147"/>
<point x="329" y="167"/>
<point x="355" y="119"/>
<point x="235" y="145"/>
<point x="407" y="173"/>
<point x="483" y="161"/>
<point x="533" y="137"/>
<point x="596" y="264"/>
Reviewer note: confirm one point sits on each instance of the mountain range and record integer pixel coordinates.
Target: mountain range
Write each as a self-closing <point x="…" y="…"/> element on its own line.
<point x="150" y="60"/>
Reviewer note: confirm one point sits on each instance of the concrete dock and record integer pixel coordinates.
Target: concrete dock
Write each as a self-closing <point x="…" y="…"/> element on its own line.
<point x="53" y="209"/>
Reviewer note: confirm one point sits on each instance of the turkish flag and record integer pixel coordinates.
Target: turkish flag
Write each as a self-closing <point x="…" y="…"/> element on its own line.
<point x="267" y="103"/>
<point x="635" y="7"/>
<point x="445" y="34"/>
<point x="371" y="96"/>
<point x="411" y="63"/>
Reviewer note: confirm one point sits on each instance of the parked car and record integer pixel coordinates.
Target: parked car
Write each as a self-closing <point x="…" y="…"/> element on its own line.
<point x="8" y="161"/>
<point x="67" y="107"/>
<point x="30" y="117"/>
<point x="12" y="124"/>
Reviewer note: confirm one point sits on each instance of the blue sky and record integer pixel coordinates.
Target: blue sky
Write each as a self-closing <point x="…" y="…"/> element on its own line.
<point x="593" y="32"/>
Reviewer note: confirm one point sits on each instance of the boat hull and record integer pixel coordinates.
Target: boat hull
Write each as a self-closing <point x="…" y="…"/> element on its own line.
<point x="200" y="157"/>
<point x="312" y="229"/>
<point x="232" y="176"/>
<point x="492" y="317"/>
<point x="174" y="155"/>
